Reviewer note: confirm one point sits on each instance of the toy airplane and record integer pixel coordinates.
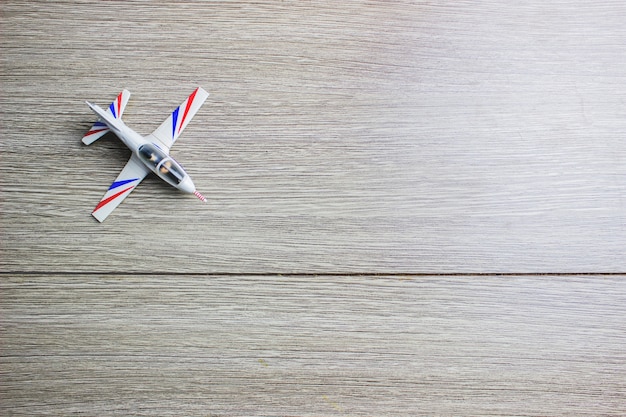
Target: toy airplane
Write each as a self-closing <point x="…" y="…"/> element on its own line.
<point x="150" y="153"/>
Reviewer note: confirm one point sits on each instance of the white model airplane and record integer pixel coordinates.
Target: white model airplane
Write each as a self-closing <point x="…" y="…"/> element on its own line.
<point x="150" y="153"/>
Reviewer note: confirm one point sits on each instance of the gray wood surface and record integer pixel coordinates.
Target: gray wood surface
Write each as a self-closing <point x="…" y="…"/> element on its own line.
<point x="415" y="208"/>
<point x="376" y="136"/>
<point x="332" y="345"/>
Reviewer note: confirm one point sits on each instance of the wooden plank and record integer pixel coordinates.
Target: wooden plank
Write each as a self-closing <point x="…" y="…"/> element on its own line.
<point x="304" y="345"/>
<point x="355" y="137"/>
<point x="378" y="136"/>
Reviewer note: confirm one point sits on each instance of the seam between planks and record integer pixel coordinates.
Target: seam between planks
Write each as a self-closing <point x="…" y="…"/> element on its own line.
<point x="316" y="274"/>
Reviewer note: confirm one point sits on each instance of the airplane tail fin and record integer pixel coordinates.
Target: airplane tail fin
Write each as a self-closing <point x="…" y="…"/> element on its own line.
<point x="116" y="109"/>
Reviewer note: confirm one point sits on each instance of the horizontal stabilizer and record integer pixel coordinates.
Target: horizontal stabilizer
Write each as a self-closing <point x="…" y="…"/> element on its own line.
<point x="116" y="109"/>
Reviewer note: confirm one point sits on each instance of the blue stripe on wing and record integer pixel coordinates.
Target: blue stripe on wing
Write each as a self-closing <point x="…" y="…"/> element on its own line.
<point x="120" y="183"/>
<point x="174" y="120"/>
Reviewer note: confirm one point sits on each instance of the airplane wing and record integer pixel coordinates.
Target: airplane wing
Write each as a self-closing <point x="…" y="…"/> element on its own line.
<point x="129" y="178"/>
<point x="116" y="109"/>
<point x="174" y="125"/>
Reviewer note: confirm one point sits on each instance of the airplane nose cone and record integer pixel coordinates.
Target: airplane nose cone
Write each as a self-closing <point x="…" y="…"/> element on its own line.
<point x="187" y="185"/>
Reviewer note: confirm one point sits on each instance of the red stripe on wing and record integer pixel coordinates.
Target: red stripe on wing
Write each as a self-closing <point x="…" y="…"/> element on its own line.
<point x="119" y="104"/>
<point x="109" y="199"/>
<point x="189" y="101"/>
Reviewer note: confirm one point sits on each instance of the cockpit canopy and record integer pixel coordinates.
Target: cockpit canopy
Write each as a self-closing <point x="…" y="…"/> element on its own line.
<point x="151" y="154"/>
<point x="162" y="164"/>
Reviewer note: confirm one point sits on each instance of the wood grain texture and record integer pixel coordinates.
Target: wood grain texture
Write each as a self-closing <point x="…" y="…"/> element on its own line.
<point x="368" y="136"/>
<point x="366" y="139"/>
<point x="331" y="345"/>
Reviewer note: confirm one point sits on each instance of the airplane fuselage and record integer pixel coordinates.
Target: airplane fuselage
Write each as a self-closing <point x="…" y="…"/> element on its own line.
<point x="149" y="153"/>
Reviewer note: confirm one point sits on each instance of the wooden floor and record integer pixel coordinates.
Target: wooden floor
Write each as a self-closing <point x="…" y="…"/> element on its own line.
<point x="415" y="208"/>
